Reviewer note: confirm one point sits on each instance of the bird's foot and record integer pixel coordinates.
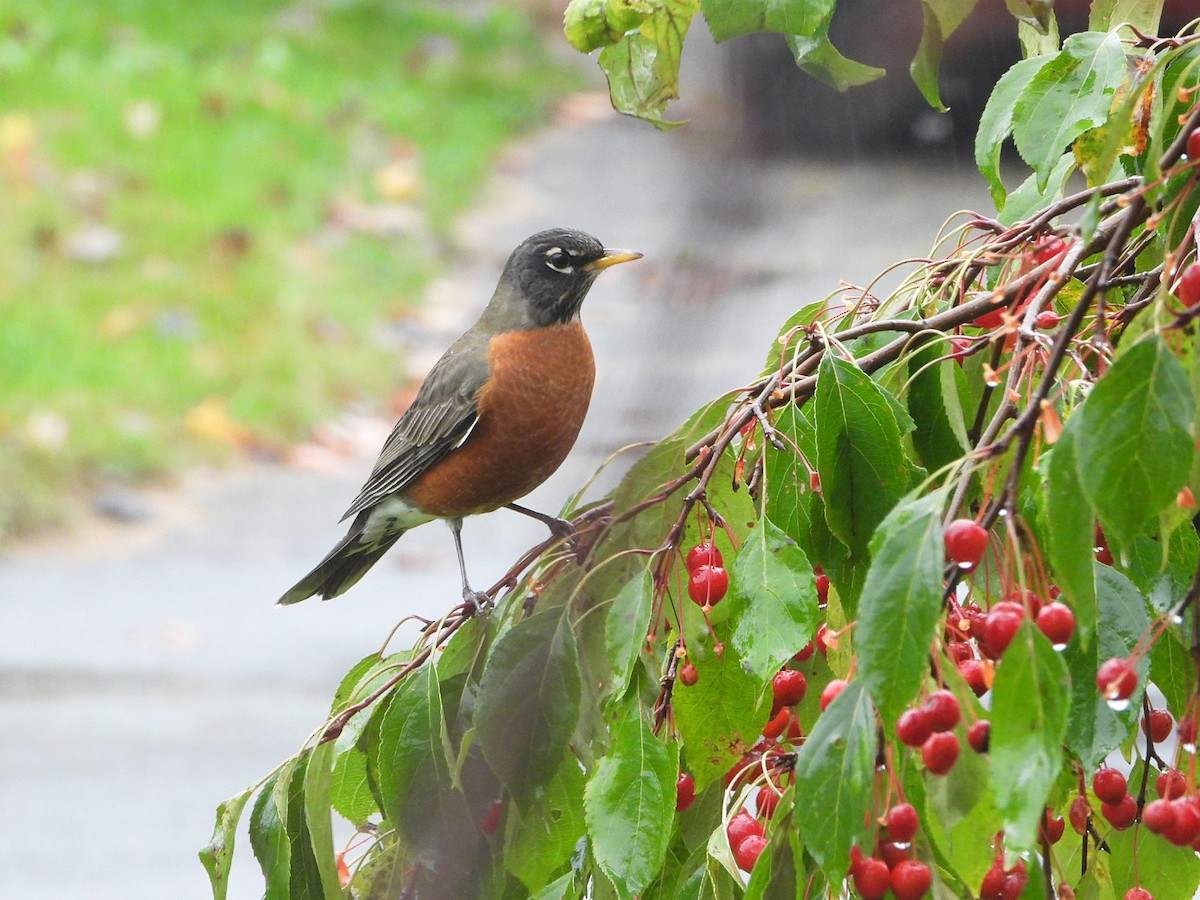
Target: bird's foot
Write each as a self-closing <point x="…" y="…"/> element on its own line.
<point x="477" y="601"/>
<point x="561" y="528"/>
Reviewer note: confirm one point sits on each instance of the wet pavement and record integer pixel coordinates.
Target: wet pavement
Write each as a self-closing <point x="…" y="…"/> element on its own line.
<point x="146" y="675"/>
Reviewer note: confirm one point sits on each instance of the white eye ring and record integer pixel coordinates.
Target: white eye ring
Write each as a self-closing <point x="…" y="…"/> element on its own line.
<point x="556" y="259"/>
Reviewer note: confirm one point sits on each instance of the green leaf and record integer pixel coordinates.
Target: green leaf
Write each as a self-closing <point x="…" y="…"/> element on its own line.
<point x="317" y="821"/>
<point x="901" y="603"/>
<point x="1070" y="94"/>
<point x="541" y="839"/>
<point x="1172" y="668"/>
<point x="1070" y="529"/>
<point x="1030" y="705"/>
<point x="836" y="767"/>
<point x="1031" y="196"/>
<point x="629" y="804"/>
<point x="626" y="627"/>
<point x="1094" y="729"/>
<point x="719" y="716"/>
<point x="859" y="456"/>
<point x="996" y="123"/>
<point x="1035" y="13"/>
<point x="817" y="56"/>
<point x="350" y="791"/>
<point x="406" y="757"/>
<point x="941" y="19"/>
<point x="643" y="69"/>
<point x="268" y="833"/>
<point x="528" y="704"/>
<point x="959" y="807"/>
<point x="935" y="405"/>
<point x="777" y="613"/>
<point x="1134" y="440"/>
<point x="731" y="18"/>
<point x="591" y="24"/>
<point x="1141" y="14"/>
<point x="217" y="855"/>
<point x="1155" y="865"/>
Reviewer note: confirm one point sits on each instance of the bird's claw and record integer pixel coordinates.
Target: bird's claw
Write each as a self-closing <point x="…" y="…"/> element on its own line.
<point x="479" y="602"/>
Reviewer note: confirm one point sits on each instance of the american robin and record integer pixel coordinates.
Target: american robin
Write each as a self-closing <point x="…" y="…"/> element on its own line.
<point x="495" y="417"/>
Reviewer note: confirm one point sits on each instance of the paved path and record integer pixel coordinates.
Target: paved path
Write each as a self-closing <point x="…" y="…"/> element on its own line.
<point x="145" y="675"/>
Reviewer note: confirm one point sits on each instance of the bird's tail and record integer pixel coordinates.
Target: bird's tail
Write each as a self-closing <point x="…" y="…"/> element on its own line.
<point x="341" y="569"/>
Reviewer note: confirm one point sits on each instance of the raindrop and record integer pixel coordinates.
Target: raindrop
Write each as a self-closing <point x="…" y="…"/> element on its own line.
<point x="1117" y="704"/>
<point x="1177" y="619"/>
<point x="1190" y="748"/>
<point x="1059" y="648"/>
<point x="966" y="566"/>
<point x="901" y="845"/>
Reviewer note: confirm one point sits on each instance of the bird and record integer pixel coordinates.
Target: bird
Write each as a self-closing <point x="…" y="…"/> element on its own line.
<point x="494" y="418"/>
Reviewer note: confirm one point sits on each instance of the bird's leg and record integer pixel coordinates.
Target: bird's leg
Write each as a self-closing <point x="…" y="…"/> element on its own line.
<point x="558" y="527"/>
<point x="478" y="599"/>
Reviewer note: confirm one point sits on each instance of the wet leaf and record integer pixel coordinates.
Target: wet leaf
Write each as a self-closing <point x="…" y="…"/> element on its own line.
<point x="629" y="804"/>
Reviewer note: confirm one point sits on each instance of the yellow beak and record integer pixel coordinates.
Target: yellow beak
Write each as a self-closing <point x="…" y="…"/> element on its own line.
<point x="612" y="258"/>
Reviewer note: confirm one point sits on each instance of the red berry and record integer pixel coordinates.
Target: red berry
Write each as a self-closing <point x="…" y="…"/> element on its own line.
<point x="688" y="674"/>
<point x="788" y="687"/>
<point x="1052" y="826"/>
<point x="767" y="802"/>
<point x="1001" y="885"/>
<point x="1158" y="725"/>
<point x="793" y="733"/>
<point x="819" y="639"/>
<point x="1047" y="319"/>
<point x="742" y="826"/>
<point x="892" y="853"/>
<point x="960" y="349"/>
<point x="1159" y="816"/>
<point x="708" y="585"/>
<point x="1188" y="289"/>
<point x="1186" y="729"/>
<point x="911" y="880"/>
<point x="972" y="673"/>
<point x="1000" y="626"/>
<point x="1193" y="145"/>
<point x="1047" y="247"/>
<point x="942" y="711"/>
<point x="1170" y="784"/>
<point x="979" y="735"/>
<point x="1186" y="826"/>
<point x="990" y="319"/>
<point x="872" y="878"/>
<point x="1104" y="556"/>
<point x="1057" y="623"/>
<point x="748" y="851"/>
<point x="778" y="724"/>
<point x="1120" y="815"/>
<point x="832" y="689"/>
<point x="822" y="583"/>
<point x="1109" y="785"/>
<point x="1079" y="814"/>
<point x="685" y="791"/>
<point x="966" y="542"/>
<point x="805" y="653"/>
<point x="902" y="823"/>
<point x="743" y="770"/>
<point x="491" y="816"/>
<point x="705" y="554"/>
<point x="913" y="727"/>
<point x="856" y="859"/>
<point x="1138" y="893"/>
<point x="1117" y="679"/>
<point x="940" y="752"/>
<point x="959" y="651"/>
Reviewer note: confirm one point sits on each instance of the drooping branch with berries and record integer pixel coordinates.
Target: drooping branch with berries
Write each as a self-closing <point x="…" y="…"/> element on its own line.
<point x="883" y="620"/>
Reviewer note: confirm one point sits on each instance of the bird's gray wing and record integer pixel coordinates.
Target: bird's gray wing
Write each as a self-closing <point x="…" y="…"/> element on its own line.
<point x="441" y="416"/>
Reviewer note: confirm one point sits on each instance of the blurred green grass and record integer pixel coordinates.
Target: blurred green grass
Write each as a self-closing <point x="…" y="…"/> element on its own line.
<point x="209" y="212"/>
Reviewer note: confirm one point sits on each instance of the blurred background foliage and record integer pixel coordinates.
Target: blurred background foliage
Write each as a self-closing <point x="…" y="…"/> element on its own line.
<point x="211" y="212"/>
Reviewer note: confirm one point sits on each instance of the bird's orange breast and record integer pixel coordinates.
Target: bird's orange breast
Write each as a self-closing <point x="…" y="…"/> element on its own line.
<point x="530" y="412"/>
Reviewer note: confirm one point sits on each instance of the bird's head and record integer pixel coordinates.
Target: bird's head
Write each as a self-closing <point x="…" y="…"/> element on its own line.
<point x="549" y="274"/>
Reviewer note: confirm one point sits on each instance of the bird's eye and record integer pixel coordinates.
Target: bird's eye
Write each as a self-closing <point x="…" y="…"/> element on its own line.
<point x="559" y="260"/>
